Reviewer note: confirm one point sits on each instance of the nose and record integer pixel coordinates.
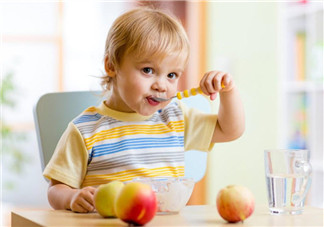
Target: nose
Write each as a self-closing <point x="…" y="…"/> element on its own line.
<point x="159" y="85"/>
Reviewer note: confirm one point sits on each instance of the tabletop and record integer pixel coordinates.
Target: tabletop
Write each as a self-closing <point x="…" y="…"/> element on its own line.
<point x="205" y="215"/>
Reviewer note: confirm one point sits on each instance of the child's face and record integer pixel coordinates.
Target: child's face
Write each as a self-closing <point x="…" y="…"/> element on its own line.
<point x="138" y="80"/>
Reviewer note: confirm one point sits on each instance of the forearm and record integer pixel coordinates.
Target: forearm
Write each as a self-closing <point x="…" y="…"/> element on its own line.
<point x="231" y="119"/>
<point x="60" y="196"/>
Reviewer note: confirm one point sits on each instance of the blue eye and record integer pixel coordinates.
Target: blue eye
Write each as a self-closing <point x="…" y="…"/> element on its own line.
<point x="172" y="76"/>
<point x="147" y="70"/>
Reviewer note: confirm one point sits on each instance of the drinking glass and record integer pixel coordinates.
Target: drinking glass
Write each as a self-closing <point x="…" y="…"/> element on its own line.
<point x="288" y="177"/>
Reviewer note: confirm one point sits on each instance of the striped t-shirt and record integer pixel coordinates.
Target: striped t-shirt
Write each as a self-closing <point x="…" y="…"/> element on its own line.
<point x="101" y="144"/>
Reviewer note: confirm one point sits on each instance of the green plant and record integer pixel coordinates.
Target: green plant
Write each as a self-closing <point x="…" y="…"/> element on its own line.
<point x="13" y="158"/>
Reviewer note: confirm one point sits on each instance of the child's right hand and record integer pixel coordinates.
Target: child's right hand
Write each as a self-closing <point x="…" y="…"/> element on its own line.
<point x="82" y="201"/>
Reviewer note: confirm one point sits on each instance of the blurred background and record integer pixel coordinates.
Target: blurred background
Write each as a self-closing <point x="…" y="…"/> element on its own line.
<point x="274" y="50"/>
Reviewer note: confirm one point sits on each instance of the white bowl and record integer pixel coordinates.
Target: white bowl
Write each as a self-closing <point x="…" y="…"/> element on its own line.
<point x="172" y="193"/>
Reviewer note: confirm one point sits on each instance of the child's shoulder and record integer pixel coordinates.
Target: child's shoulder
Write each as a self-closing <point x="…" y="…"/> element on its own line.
<point x="88" y="115"/>
<point x="173" y="108"/>
<point x="180" y="105"/>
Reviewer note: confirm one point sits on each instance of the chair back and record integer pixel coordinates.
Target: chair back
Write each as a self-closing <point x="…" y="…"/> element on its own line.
<point x="53" y="112"/>
<point x="196" y="161"/>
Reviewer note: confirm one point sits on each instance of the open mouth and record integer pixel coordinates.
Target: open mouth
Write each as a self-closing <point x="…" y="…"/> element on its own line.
<point x="153" y="100"/>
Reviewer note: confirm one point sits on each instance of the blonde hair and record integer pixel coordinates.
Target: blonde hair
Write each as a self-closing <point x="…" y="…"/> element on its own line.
<point x="144" y="32"/>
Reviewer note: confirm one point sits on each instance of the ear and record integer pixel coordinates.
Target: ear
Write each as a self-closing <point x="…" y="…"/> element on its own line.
<point x="109" y="68"/>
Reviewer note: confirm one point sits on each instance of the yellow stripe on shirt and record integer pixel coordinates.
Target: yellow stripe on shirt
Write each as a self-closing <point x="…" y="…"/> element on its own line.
<point x="91" y="109"/>
<point x="92" y="180"/>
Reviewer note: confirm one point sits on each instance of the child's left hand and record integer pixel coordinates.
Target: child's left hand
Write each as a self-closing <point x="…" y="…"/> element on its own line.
<point x="216" y="81"/>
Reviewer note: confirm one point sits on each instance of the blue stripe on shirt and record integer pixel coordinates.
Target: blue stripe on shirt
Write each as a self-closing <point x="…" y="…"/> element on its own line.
<point x="137" y="143"/>
<point x="87" y="118"/>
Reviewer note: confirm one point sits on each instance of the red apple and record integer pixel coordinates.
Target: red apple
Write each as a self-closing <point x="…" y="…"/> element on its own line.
<point x="136" y="203"/>
<point x="235" y="203"/>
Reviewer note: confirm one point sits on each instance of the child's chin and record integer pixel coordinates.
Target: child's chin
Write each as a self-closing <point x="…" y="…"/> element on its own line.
<point x="148" y="112"/>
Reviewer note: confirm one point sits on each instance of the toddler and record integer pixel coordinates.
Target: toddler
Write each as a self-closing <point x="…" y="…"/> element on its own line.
<point x="131" y="134"/>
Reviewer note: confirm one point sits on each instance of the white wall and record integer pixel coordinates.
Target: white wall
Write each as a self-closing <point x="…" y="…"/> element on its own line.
<point x="243" y="41"/>
<point x="28" y="50"/>
<point x="86" y="25"/>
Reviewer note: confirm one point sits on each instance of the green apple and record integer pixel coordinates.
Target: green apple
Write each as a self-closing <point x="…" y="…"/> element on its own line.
<point x="105" y="196"/>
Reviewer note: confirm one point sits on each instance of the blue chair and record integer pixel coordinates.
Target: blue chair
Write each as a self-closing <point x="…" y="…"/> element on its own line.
<point x="53" y="112"/>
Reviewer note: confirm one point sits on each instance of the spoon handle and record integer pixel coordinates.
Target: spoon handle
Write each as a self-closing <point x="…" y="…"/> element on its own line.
<point x="189" y="92"/>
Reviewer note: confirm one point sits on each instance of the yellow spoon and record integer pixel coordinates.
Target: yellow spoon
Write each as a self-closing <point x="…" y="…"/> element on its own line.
<point x="184" y="94"/>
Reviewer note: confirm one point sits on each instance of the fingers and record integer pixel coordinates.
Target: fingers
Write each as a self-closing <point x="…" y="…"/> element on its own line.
<point x="81" y="206"/>
<point x="88" y="198"/>
<point x="214" y="82"/>
<point x="227" y="82"/>
<point x="82" y="201"/>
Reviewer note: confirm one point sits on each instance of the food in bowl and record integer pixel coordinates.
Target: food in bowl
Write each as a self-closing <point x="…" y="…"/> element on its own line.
<point x="172" y="193"/>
